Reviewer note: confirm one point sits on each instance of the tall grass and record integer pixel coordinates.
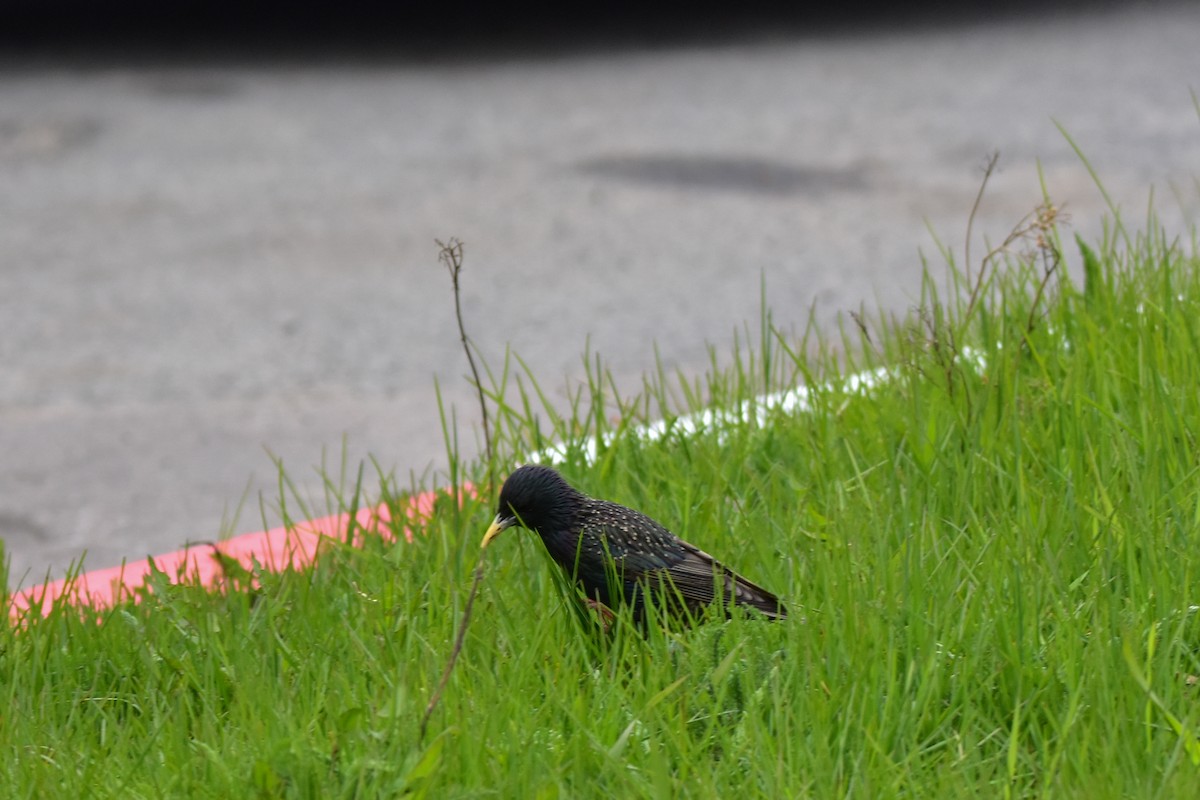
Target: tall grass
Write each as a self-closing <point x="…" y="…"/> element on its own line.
<point x="990" y="558"/>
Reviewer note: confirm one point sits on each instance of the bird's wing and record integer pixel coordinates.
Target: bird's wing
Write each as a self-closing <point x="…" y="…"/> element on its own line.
<point x="695" y="576"/>
<point x="653" y="552"/>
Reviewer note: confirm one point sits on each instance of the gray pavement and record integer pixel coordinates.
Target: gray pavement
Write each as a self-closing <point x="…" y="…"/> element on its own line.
<point x="203" y="261"/>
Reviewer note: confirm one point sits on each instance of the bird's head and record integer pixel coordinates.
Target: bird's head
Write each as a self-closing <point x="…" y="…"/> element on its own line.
<point x="533" y="497"/>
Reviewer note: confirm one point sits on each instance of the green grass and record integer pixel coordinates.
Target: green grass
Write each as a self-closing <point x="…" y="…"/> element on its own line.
<point x="991" y="562"/>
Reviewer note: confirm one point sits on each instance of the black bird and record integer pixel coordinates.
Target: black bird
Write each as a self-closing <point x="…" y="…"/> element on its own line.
<point x="610" y="549"/>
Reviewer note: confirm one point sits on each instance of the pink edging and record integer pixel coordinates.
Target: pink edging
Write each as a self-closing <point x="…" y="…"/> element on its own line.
<point x="276" y="549"/>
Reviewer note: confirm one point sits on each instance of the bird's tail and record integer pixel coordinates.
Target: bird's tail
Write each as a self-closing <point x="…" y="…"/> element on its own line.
<point x="754" y="596"/>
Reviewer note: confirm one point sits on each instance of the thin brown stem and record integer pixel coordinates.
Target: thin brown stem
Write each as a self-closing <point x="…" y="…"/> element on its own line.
<point x="988" y="169"/>
<point x="458" y="644"/>
<point x="451" y="255"/>
<point x="974" y="288"/>
<point x="1050" y="261"/>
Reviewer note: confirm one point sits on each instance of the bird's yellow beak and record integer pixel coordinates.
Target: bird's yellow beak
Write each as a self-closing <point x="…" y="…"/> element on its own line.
<point x="498" y="525"/>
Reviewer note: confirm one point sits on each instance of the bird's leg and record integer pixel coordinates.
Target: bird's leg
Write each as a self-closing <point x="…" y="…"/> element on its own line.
<point x="604" y="614"/>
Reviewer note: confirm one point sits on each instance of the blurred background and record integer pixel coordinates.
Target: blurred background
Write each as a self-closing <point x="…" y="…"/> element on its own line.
<point x="218" y="221"/>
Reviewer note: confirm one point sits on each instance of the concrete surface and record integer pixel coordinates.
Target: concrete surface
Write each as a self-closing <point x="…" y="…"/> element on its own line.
<point x="205" y="259"/>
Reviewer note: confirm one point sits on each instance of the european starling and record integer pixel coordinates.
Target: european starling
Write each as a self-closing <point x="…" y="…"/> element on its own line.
<point x="609" y="549"/>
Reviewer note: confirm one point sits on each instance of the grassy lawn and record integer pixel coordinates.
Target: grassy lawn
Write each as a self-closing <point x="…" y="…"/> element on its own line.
<point x="991" y="559"/>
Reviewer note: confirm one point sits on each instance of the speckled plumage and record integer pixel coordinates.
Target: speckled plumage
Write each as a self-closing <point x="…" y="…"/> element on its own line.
<point x="610" y="549"/>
